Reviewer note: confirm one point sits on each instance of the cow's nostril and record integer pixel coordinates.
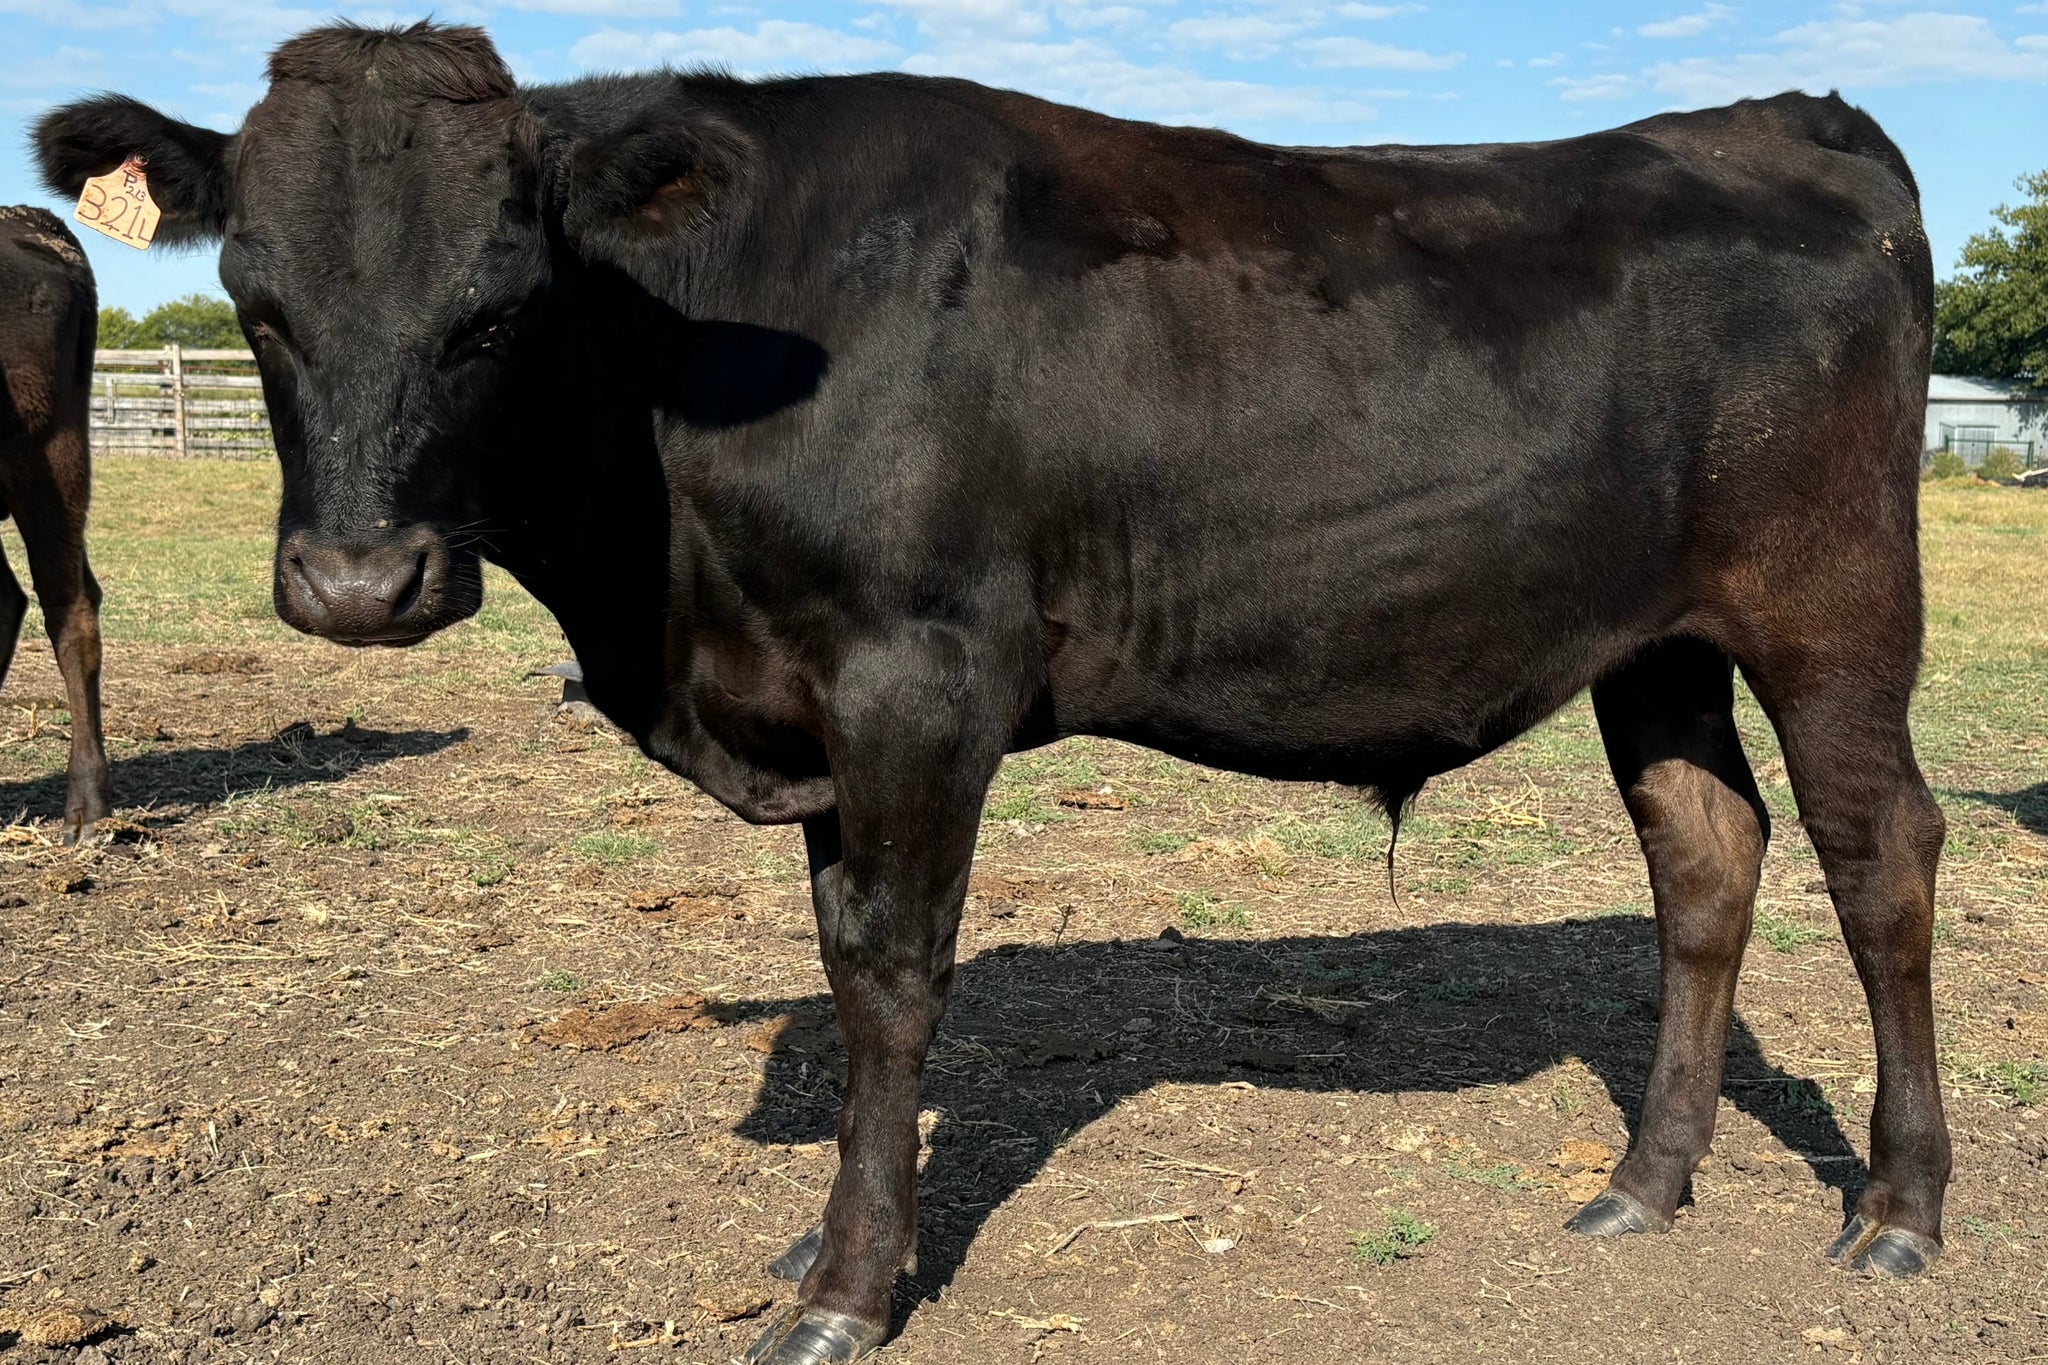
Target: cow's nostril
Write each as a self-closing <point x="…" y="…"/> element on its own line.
<point x="306" y="580"/>
<point x="414" y="588"/>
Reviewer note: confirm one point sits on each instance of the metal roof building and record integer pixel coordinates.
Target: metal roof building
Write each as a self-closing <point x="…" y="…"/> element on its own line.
<point x="1972" y="417"/>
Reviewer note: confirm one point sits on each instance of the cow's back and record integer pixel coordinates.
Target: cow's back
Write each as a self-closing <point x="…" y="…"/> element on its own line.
<point x="48" y="321"/>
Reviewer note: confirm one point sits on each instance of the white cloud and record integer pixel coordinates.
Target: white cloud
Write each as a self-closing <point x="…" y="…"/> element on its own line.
<point x="1362" y="52"/>
<point x="1689" y="25"/>
<point x="1011" y="18"/>
<point x="1858" y="53"/>
<point x="1608" y="87"/>
<point x="244" y="15"/>
<point x="773" y="45"/>
<point x="70" y="14"/>
<point x="66" y="66"/>
<point x="1554" y="59"/>
<point x="600" y="9"/>
<point x="1089" y="16"/>
<point x="1089" y="72"/>
<point x="1242" y="36"/>
<point x="242" y="93"/>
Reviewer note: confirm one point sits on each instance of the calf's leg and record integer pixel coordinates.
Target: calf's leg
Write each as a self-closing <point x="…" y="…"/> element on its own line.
<point x="1668" y="723"/>
<point x="912" y="752"/>
<point x="48" y="497"/>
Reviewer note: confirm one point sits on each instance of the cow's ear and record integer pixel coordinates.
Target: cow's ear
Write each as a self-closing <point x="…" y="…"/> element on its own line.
<point x="188" y="167"/>
<point x="652" y="178"/>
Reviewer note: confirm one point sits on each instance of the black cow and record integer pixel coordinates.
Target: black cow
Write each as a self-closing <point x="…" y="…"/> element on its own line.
<point x="860" y="431"/>
<point x="49" y="322"/>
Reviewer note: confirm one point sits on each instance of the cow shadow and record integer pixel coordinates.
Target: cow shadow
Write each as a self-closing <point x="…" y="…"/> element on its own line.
<point x="1040" y="1042"/>
<point x="163" y="780"/>
<point x="2027" y="805"/>
<point x="707" y="372"/>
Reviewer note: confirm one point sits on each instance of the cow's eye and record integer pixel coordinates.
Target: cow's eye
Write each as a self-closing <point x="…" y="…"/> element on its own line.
<point x="268" y="332"/>
<point x="482" y="340"/>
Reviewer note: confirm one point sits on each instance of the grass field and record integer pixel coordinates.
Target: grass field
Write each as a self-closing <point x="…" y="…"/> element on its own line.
<point x="324" y="1057"/>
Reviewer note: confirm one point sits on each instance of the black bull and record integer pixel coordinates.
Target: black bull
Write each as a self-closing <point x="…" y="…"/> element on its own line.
<point x="861" y="431"/>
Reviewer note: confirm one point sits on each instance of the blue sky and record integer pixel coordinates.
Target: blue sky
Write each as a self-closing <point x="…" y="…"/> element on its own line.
<point x="1963" y="87"/>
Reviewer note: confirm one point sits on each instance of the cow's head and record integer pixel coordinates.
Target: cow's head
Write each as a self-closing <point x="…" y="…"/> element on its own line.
<point x="390" y="219"/>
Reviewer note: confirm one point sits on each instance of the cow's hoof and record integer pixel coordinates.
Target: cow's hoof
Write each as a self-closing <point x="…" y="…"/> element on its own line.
<point x="80" y="821"/>
<point x="814" y="1336"/>
<point x="1889" y="1253"/>
<point x="795" y="1263"/>
<point x="1611" y="1213"/>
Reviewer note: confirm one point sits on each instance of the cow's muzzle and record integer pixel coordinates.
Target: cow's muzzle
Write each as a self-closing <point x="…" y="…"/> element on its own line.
<point x="387" y="587"/>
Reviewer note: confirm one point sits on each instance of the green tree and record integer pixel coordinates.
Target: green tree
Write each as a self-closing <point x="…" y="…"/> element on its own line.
<point x="118" y="329"/>
<point x="1992" y="318"/>
<point x="195" y="321"/>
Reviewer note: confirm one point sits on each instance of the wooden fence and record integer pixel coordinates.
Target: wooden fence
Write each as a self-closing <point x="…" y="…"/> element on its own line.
<point x="179" y="403"/>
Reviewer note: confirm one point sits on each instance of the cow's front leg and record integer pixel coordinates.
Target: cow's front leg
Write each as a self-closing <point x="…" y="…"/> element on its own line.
<point x="911" y="761"/>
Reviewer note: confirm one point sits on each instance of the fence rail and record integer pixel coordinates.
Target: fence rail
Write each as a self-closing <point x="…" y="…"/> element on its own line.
<point x="179" y="402"/>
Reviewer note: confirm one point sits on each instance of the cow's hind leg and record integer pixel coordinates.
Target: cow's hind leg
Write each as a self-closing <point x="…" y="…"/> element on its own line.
<point x="1839" y="705"/>
<point x="1668" y="722"/>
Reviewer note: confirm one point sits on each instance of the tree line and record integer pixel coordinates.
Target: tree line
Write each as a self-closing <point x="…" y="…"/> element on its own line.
<point x="198" y="322"/>
<point x="1990" y="318"/>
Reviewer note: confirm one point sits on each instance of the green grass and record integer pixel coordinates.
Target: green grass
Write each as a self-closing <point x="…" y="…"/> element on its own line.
<point x="1479" y="842"/>
<point x="1200" y="910"/>
<point x="1153" y="842"/>
<point x="1027" y="786"/>
<point x="1021" y="804"/>
<point x="560" y="982"/>
<point x="1456" y="990"/>
<point x="614" y="848"/>
<point x="2024" y="1083"/>
<point x="1784" y="934"/>
<point x="315" y="823"/>
<point x="1352" y="829"/>
<point x="491" y="870"/>
<point x="1403" y="1236"/>
<point x="1985" y="552"/>
<point x="1995" y="1234"/>
<point x="1803" y="1096"/>
<point x="1505" y="1176"/>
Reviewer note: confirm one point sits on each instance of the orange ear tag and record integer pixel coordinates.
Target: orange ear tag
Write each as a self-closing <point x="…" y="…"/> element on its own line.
<point x="118" y="204"/>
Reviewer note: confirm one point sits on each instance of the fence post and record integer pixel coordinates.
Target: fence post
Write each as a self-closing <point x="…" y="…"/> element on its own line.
<point x="178" y="393"/>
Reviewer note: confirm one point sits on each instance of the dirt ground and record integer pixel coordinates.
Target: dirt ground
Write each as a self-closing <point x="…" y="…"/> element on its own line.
<point x="399" y="1018"/>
